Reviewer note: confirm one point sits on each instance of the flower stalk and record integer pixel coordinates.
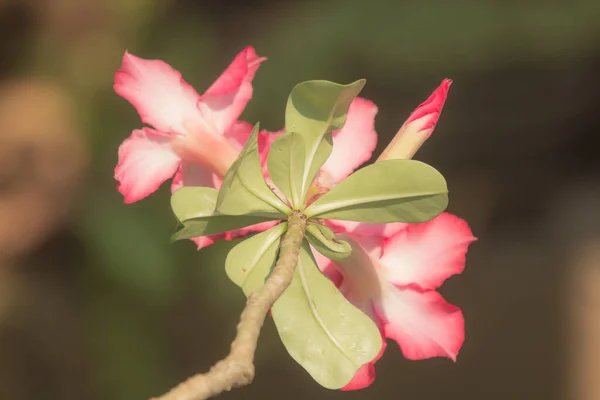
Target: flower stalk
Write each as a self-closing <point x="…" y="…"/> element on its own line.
<point x="237" y="368"/>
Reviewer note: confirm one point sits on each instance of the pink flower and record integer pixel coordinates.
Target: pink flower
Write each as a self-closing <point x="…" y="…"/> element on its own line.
<point x="393" y="280"/>
<point x="196" y="138"/>
<point x="395" y="268"/>
<point x="418" y="127"/>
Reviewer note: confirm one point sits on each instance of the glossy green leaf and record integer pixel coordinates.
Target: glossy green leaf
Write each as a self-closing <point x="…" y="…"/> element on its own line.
<point x="250" y="262"/>
<point x="286" y="166"/>
<point x="387" y="191"/>
<point x="323" y="239"/>
<point x="321" y="330"/>
<point x="194" y="208"/>
<point x="313" y="109"/>
<point x="244" y="190"/>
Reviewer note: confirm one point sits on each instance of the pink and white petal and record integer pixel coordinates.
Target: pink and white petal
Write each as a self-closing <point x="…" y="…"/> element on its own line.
<point x="227" y="97"/>
<point x="158" y="92"/>
<point x="265" y="140"/>
<point x="353" y="145"/>
<point x="205" y="241"/>
<point x="419" y="126"/>
<point x="190" y="174"/>
<point x="146" y="160"/>
<point x="238" y="133"/>
<point x="365" y="376"/>
<point x="422" y="323"/>
<point x="428" y="253"/>
<point x="261" y="227"/>
<point x="366" y="229"/>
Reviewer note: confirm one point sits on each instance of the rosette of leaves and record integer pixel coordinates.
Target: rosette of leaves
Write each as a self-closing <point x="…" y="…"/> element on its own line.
<point x="321" y="330"/>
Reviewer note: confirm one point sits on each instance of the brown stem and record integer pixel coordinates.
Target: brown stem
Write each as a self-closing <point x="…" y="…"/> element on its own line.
<point x="237" y="369"/>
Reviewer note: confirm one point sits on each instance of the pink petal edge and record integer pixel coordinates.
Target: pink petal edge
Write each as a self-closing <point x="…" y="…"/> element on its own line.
<point x="146" y="160"/>
<point x="158" y="92"/>
<point x="422" y="323"/>
<point x="426" y="115"/>
<point x="353" y="145"/>
<point x="428" y="253"/>
<point x="226" y="98"/>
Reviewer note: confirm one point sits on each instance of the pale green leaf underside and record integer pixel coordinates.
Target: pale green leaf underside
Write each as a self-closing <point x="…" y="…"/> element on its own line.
<point x="194" y="208"/>
<point x="324" y="241"/>
<point x="244" y="190"/>
<point x="313" y="109"/>
<point x="217" y="224"/>
<point x="286" y="166"/>
<point x="321" y="330"/>
<point x="387" y="191"/>
<point x="250" y="262"/>
<point x="194" y="202"/>
<point x="319" y="106"/>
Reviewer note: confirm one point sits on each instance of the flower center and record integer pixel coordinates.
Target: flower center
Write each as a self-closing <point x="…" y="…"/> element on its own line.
<point x="211" y="151"/>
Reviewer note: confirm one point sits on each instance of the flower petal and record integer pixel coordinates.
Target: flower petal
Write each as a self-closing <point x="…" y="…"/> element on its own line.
<point x="238" y="133"/>
<point x="225" y="100"/>
<point x="422" y="323"/>
<point x="428" y="253"/>
<point x="146" y="160"/>
<point x="419" y="126"/>
<point x="205" y="241"/>
<point x="190" y="174"/>
<point x="366" y="229"/>
<point x="365" y="376"/>
<point x="265" y="140"/>
<point x="162" y="98"/>
<point x="238" y="233"/>
<point x="353" y="145"/>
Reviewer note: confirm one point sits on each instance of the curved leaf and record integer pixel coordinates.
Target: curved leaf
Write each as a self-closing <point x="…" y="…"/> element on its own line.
<point x="249" y="263"/>
<point x="194" y="208"/>
<point x="323" y="239"/>
<point x="313" y="109"/>
<point x="244" y="190"/>
<point x="286" y="166"/>
<point x="320" y="329"/>
<point x="387" y="191"/>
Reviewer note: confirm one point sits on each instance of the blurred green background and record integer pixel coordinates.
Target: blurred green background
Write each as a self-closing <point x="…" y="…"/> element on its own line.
<point x="96" y="304"/>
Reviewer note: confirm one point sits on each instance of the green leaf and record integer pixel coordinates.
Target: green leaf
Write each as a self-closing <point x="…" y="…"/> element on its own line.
<point x="313" y="109"/>
<point x="320" y="329"/>
<point x="286" y="166"/>
<point x="194" y="207"/>
<point x="191" y="202"/>
<point x="323" y="239"/>
<point x="387" y="191"/>
<point x="244" y="190"/>
<point x="250" y="262"/>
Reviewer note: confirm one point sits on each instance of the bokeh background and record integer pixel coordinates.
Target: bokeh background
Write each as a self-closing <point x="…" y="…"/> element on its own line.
<point x="96" y="304"/>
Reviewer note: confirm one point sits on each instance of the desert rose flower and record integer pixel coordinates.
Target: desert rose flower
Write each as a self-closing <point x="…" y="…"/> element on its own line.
<point x="193" y="137"/>
<point x="394" y="281"/>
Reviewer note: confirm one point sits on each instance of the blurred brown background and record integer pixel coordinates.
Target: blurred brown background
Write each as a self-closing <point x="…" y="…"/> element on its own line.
<point x="96" y="304"/>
